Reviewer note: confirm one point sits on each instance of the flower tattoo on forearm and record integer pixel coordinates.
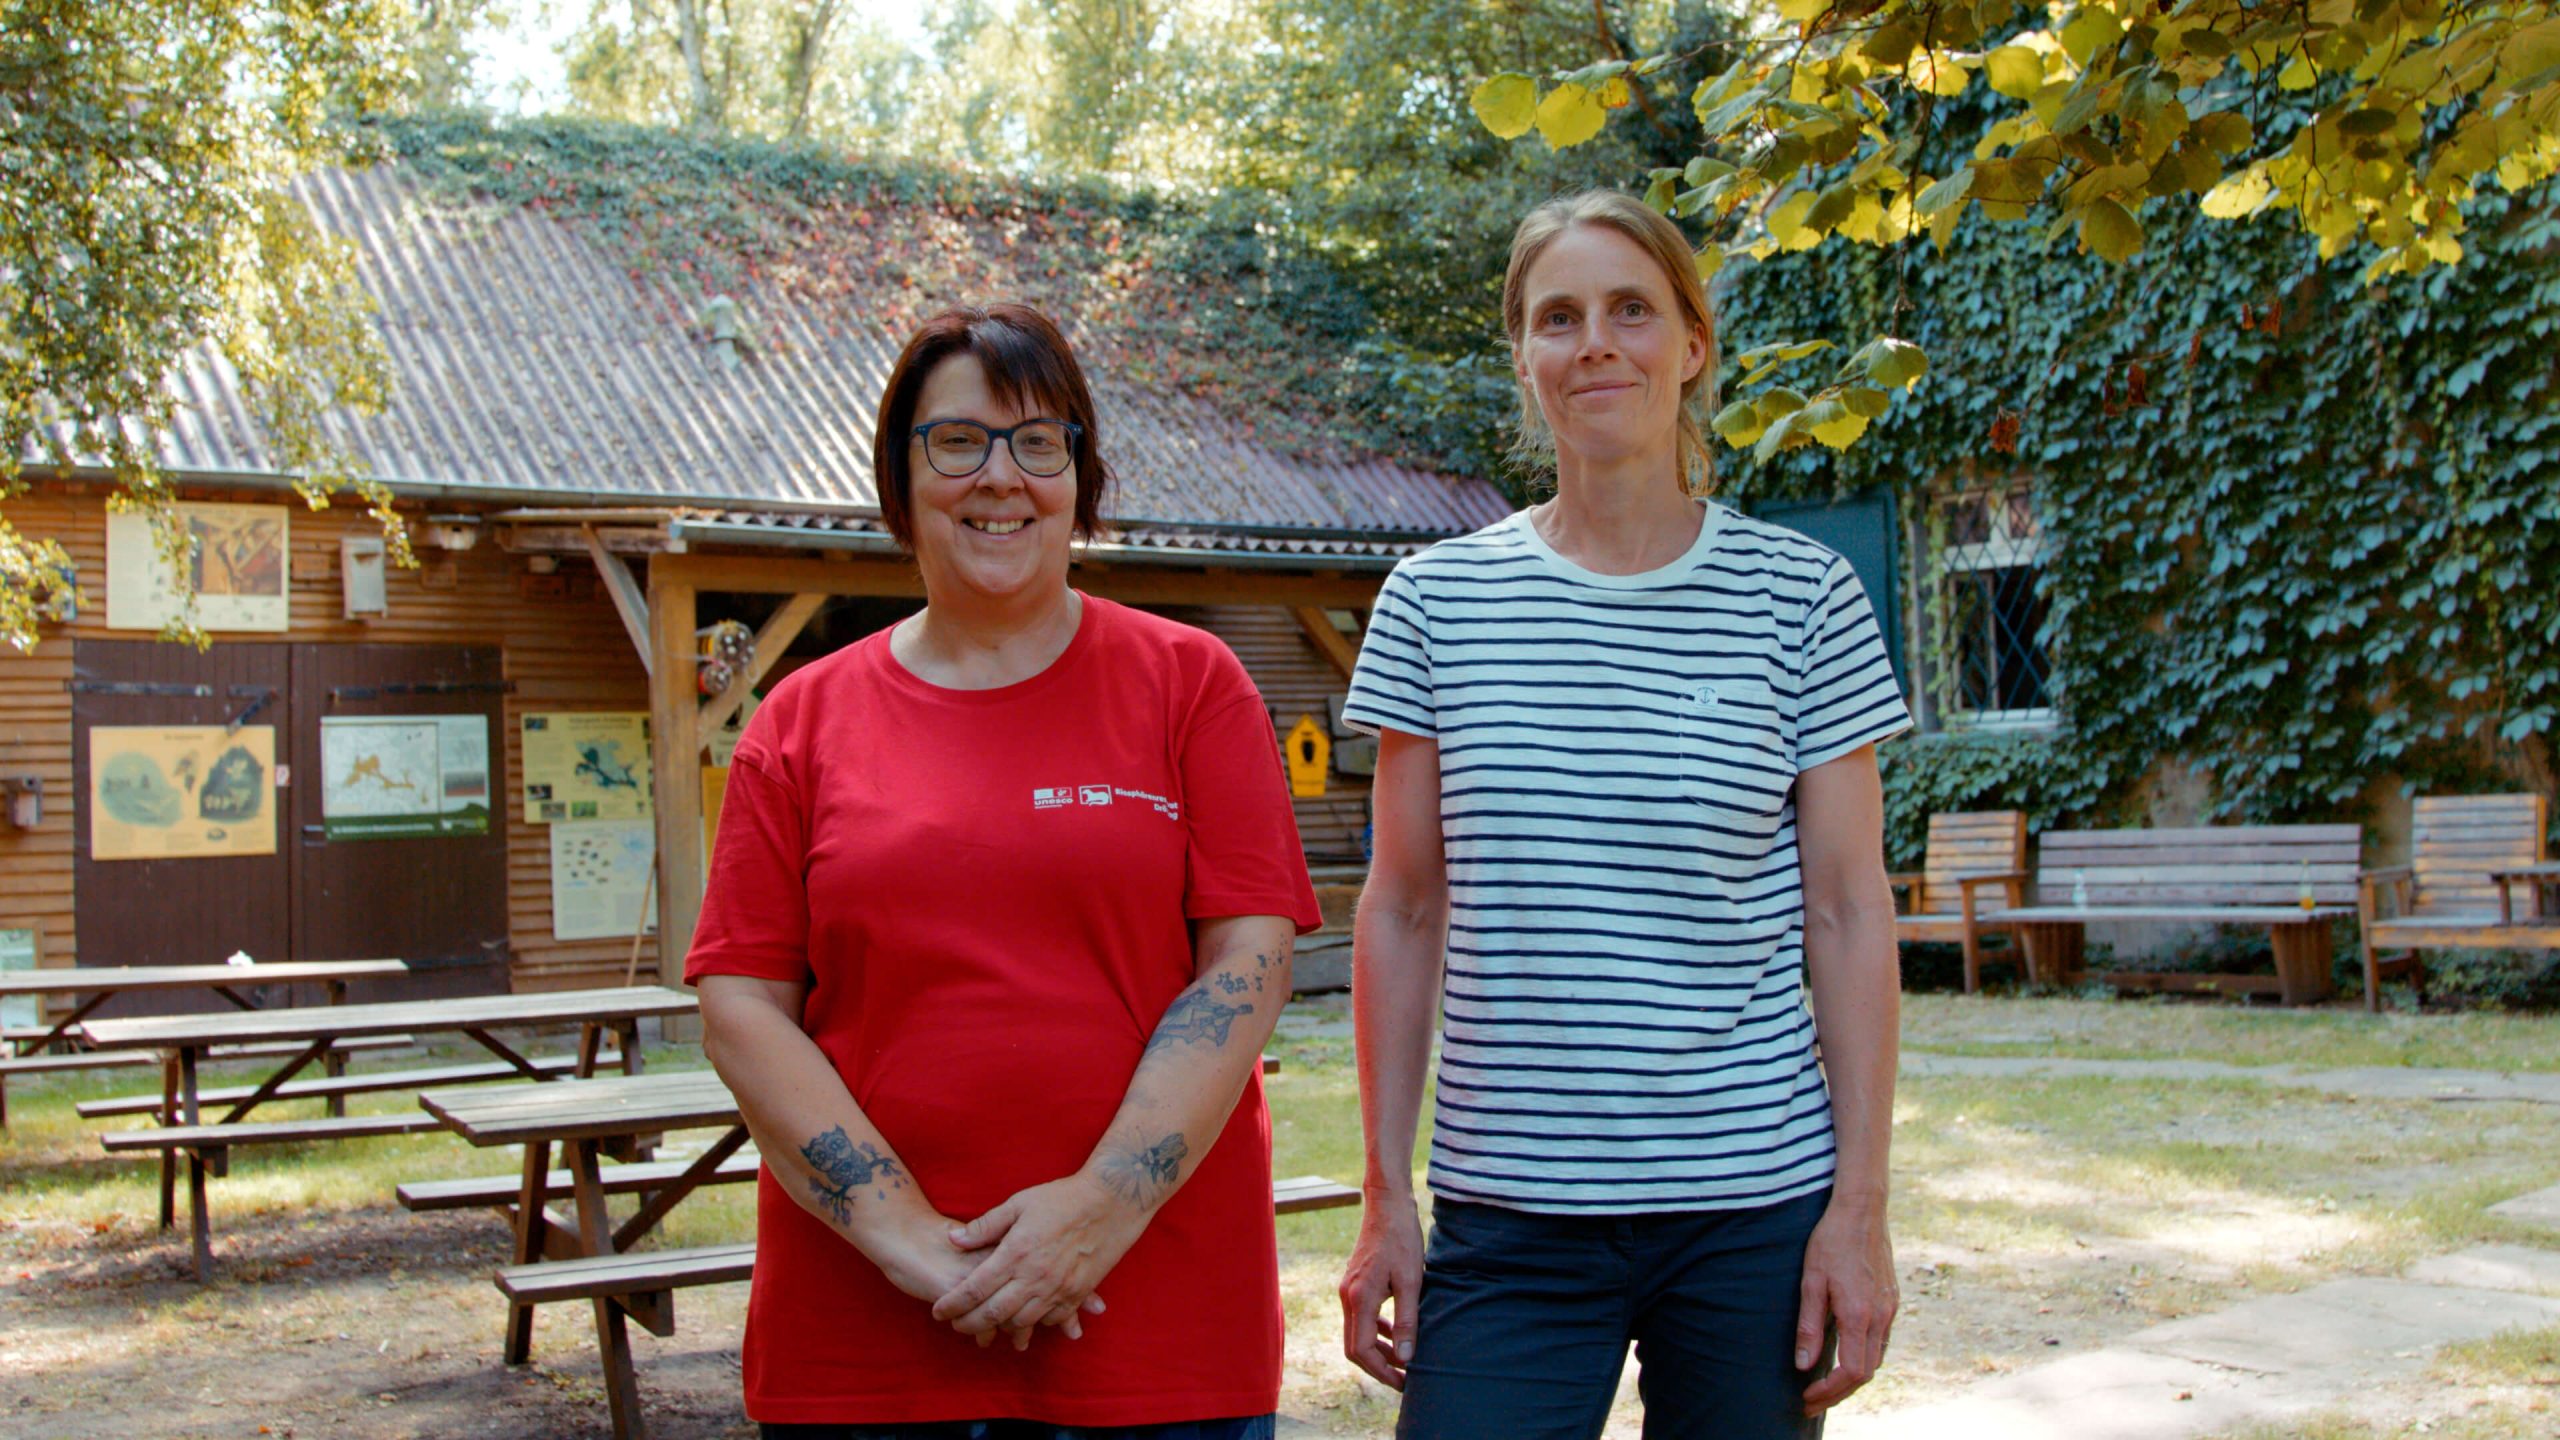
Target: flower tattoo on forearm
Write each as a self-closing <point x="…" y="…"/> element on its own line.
<point x="843" y="1167"/>
<point x="1144" y="1177"/>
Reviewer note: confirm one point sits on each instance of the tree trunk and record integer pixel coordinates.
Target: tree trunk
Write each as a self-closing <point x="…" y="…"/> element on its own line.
<point x="703" y="114"/>
<point x="808" y="45"/>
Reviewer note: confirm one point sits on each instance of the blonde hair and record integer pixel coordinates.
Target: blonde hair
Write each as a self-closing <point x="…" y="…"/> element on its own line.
<point x="1535" y="446"/>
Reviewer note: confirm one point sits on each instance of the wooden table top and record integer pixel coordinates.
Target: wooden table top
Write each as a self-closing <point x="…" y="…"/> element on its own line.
<point x="312" y="1022"/>
<point x="584" y="1109"/>
<point x="68" y="979"/>
<point x="2226" y="914"/>
<point x="2543" y="870"/>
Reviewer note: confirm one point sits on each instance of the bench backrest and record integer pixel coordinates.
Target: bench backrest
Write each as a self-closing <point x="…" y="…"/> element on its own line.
<point x="2456" y="840"/>
<point x="1969" y="843"/>
<point x="2209" y="865"/>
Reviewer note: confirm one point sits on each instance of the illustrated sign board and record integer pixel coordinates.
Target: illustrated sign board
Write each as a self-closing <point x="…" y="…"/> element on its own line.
<point x="241" y="558"/>
<point x="391" y="777"/>
<point x="177" y="792"/>
<point x="599" y="875"/>
<point x="586" y="765"/>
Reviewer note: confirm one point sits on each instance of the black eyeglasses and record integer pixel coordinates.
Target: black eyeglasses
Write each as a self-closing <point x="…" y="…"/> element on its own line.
<point x="959" y="448"/>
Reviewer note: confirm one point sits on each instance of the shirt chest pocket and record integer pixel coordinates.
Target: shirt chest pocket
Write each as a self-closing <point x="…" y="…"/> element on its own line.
<point x="1740" y="760"/>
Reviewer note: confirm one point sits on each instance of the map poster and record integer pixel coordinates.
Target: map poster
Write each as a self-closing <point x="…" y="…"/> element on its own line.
<point x="599" y="871"/>
<point x="18" y="952"/>
<point x="238" y="569"/>
<point x="178" y="792"/>
<point x="391" y="777"/>
<point x="586" y="765"/>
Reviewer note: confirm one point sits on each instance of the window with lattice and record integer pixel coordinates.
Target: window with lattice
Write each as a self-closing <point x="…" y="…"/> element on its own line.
<point x="1985" y="662"/>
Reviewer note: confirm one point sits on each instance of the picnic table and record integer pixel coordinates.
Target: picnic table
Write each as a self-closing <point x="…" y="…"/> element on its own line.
<point x="580" y="1117"/>
<point x="183" y="1041"/>
<point x="590" y="1258"/>
<point x="102" y="983"/>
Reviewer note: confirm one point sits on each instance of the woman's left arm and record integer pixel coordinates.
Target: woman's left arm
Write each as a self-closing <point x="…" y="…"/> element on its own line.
<point x="1854" y="973"/>
<point x="1054" y="1243"/>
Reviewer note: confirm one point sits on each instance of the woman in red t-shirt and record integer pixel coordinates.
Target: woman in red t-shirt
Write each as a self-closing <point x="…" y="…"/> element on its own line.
<point x="999" y="919"/>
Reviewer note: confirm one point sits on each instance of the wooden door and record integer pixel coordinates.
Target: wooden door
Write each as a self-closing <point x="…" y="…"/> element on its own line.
<point x="436" y="900"/>
<point x="182" y="911"/>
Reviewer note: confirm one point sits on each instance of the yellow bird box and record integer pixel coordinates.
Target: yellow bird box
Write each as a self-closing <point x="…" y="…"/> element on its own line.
<point x="1310" y="756"/>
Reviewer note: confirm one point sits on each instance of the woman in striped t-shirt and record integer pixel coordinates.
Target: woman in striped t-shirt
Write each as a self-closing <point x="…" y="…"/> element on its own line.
<point x="1630" y="838"/>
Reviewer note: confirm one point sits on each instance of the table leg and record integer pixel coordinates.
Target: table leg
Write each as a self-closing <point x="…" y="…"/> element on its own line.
<point x="2053" y="950"/>
<point x="530" y="1199"/>
<point x="628" y="1032"/>
<point x="2302" y="962"/>
<point x="168" y="1158"/>
<point x="199" y="1221"/>
<point x="613" y="1331"/>
<point x="334" y="1063"/>
<point x="590" y="1040"/>
<point x="62" y="1028"/>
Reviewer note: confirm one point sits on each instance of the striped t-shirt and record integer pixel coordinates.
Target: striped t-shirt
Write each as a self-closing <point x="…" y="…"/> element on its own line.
<point x="1624" y="1021"/>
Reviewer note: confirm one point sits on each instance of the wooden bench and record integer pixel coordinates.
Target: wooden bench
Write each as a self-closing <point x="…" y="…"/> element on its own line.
<point x="64" y="1062"/>
<point x="1969" y="852"/>
<point x="211" y="1140"/>
<point x="646" y="1272"/>
<point x="2467" y="856"/>
<point x="641" y="1284"/>
<point x="338" y="1087"/>
<point x="2253" y="875"/>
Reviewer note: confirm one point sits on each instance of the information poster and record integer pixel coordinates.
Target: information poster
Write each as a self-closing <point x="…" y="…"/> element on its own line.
<point x="586" y="765"/>
<point x="391" y="777"/>
<point x="18" y="952"/>
<point x="177" y="792"/>
<point x="599" y="871"/>
<point x="238" y="570"/>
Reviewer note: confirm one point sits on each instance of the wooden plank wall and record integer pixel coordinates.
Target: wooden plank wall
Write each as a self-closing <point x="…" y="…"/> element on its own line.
<point x="561" y="654"/>
<point x="1295" y="681"/>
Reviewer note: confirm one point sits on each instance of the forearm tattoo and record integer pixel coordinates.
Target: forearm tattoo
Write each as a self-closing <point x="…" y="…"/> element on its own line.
<point x="1145" y="1177"/>
<point x="1195" y="1016"/>
<point x="843" y="1167"/>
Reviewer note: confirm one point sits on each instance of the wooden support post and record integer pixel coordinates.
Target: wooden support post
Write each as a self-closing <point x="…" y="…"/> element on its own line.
<point x="628" y="603"/>
<point x="776" y="637"/>
<point x="676" y="761"/>
<point x="1329" y="641"/>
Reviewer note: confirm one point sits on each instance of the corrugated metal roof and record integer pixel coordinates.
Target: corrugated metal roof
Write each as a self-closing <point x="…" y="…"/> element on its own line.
<point x="525" y="357"/>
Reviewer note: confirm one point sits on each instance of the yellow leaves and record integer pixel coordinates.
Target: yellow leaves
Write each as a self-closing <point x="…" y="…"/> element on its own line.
<point x="2015" y="71"/>
<point x="2299" y="75"/>
<point x="2225" y="130"/>
<point x="1614" y="94"/>
<point x="1786" y="223"/>
<point x="2238" y="196"/>
<point x="1802" y="11"/>
<point x="2090" y="29"/>
<point x="1507" y="105"/>
<point x="2109" y="231"/>
<point x="1570" y="115"/>
<point x="1939" y="72"/>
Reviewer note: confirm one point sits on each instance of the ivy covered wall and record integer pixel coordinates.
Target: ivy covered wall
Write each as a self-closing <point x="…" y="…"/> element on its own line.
<point x="2304" y="534"/>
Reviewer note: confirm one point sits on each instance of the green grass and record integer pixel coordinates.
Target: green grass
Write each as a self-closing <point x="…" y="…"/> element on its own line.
<point x="2156" y="1028"/>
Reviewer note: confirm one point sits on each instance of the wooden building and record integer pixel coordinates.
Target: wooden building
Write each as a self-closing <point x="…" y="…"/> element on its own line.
<point x="592" y="482"/>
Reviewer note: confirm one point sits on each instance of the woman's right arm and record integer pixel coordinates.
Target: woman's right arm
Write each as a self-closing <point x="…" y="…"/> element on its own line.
<point x="1396" y="948"/>
<point x="821" y="1147"/>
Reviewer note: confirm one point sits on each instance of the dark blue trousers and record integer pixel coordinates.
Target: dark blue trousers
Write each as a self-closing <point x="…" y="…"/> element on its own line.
<point x="1526" y="1319"/>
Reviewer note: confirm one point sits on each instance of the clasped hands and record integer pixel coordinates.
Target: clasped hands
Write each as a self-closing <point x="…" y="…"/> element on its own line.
<point x="1033" y="1260"/>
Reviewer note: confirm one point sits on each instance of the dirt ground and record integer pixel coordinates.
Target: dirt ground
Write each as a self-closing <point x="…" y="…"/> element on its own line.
<point x="2033" y="1218"/>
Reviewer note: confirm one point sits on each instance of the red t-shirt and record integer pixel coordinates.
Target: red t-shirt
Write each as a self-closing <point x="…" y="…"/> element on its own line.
<point x="986" y="892"/>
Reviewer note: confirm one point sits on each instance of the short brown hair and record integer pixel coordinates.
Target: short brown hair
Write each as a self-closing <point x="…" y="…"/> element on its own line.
<point x="1662" y="240"/>
<point x="1024" y="356"/>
